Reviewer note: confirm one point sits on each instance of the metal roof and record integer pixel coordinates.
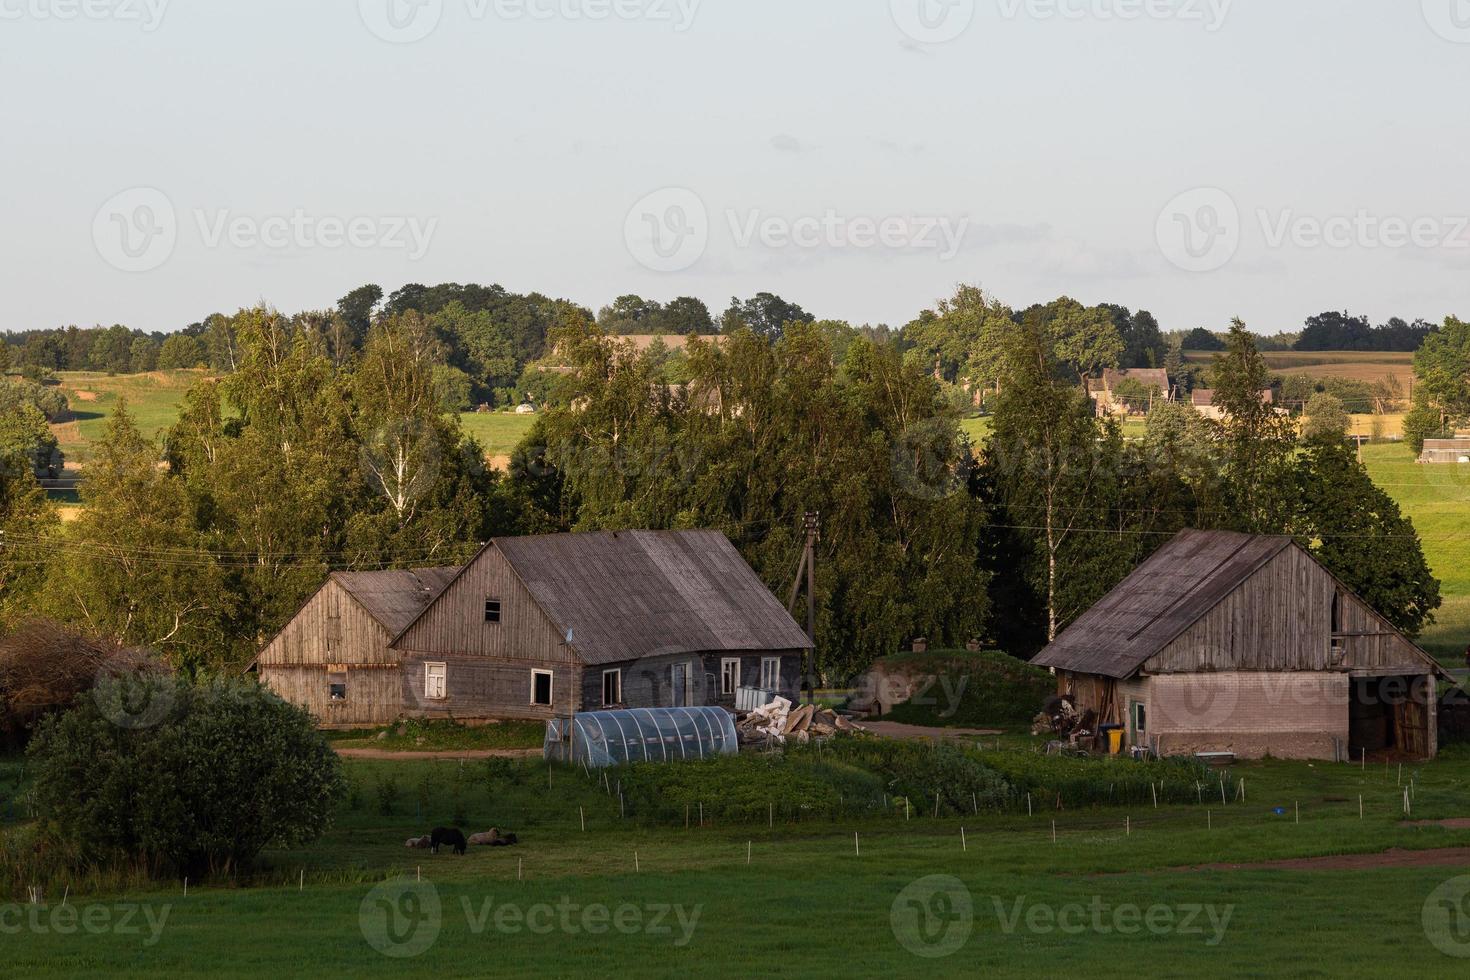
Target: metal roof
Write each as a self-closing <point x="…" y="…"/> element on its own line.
<point x="395" y="598"/>
<point x="632" y="594"/>
<point x="1164" y="596"/>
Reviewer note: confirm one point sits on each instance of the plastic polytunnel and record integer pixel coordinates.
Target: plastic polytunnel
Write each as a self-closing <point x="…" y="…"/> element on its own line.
<point x="599" y="739"/>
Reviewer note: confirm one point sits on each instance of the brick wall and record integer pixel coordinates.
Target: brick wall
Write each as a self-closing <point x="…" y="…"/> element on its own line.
<point x="1284" y="715"/>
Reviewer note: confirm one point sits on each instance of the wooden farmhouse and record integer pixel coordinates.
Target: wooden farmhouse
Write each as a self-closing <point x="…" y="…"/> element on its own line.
<point x="539" y="627"/>
<point x="1244" y="644"/>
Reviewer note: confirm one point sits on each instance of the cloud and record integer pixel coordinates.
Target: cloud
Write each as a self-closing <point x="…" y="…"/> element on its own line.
<point x="786" y="143"/>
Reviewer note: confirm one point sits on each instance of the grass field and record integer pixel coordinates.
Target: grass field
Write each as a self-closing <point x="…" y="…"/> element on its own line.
<point x="1367" y="366"/>
<point x="153" y="399"/>
<point x="497" y="432"/>
<point x="1102" y="898"/>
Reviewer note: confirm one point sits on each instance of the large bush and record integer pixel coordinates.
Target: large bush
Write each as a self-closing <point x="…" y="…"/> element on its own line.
<point x="193" y="779"/>
<point x="970" y="690"/>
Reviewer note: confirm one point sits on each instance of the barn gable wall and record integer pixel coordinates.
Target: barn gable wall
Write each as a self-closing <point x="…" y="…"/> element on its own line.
<point x="455" y="623"/>
<point x="1280" y="618"/>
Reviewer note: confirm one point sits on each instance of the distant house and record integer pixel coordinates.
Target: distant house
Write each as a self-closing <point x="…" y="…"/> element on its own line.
<point x="539" y="627"/>
<point x="1455" y="450"/>
<point x="1246" y="644"/>
<point x="1105" y="395"/>
<point x="1204" y="401"/>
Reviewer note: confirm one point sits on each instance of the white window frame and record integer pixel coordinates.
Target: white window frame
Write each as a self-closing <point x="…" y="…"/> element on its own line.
<point x="729" y="679"/>
<point x="619" y="674"/>
<point x="550" y="685"/>
<point x="770" y="673"/>
<point x="429" y="686"/>
<point x="1135" y="708"/>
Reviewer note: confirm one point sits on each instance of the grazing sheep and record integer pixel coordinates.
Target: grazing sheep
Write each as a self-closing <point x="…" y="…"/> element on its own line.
<point x="418" y="843"/>
<point x="450" y="836"/>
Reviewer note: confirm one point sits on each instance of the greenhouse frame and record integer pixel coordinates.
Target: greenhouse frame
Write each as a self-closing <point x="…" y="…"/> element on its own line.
<point x="600" y="739"/>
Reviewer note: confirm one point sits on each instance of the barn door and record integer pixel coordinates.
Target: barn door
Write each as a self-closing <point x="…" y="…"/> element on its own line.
<point x="681" y="685"/>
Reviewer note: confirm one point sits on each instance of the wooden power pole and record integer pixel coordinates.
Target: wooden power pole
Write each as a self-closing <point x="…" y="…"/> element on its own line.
<point x="808" y="569"/>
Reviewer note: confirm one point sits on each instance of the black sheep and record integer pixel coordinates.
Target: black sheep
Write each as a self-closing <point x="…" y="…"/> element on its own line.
<point x="445" y="835"/>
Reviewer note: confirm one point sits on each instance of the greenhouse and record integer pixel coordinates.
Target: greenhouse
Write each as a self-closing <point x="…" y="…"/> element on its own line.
<point x="613" y="738"/>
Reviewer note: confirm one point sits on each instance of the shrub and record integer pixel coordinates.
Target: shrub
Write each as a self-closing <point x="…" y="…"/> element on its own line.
<point x="748" y="788"/>
<point x="387" y="795"/>
<point x="922" y="771"/>
<point x="1074" y="781"/>
<point x="970" y="689"/>
<point x="180" y="777"/>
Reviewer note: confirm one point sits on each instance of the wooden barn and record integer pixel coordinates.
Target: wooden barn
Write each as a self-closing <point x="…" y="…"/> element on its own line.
<point x="1246" y="644"/>
<point x="539" y="627"/>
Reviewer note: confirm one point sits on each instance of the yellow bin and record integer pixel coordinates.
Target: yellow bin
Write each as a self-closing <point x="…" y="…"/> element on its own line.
<point x="1115" y="741"/>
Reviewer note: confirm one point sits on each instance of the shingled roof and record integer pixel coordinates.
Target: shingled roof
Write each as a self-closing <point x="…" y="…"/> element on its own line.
<point x="634" y="594"/>
<point x="395" y="599"/>
<point x="1164" y="596"/>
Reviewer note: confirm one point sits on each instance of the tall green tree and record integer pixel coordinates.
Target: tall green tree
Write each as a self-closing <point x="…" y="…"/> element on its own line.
<point x="1256" y="439"/>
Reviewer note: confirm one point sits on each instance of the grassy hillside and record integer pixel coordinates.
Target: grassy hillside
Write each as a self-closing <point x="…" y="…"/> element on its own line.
<point x="153" y="399"/>
<point x="1367" y="366"/>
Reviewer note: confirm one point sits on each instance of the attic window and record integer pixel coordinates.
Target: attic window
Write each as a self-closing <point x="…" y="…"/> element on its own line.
<point x="492" y="610"/>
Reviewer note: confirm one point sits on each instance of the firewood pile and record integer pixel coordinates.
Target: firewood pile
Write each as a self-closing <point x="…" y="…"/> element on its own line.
<point x="1061" y="718"/>
<point x="781" y="720"/>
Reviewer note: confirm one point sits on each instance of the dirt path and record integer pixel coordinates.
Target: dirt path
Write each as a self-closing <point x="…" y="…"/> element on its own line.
<point x="892" y="729"/>
<point x="389" y="755"/>
<point x="1447" y="857"/>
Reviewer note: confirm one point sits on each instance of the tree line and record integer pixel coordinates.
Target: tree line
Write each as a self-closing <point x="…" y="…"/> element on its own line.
<point x="327" y="444"/>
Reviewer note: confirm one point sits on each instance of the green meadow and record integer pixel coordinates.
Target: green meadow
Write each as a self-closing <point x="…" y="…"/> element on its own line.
<point x="1064" y="892"/>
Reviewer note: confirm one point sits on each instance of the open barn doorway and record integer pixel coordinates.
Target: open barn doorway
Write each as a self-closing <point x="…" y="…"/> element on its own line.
<point x="1391" y="717"/>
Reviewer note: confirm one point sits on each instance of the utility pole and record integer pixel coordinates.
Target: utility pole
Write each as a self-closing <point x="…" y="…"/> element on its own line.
<point x="812" y="523"/>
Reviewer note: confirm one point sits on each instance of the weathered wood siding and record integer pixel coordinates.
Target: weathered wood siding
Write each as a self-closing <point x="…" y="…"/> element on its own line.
<point x="648" y="683"/>
<point x="484" y="689"/>
<point x="330" y="629"/>
<point x="455" y="624"/>
<point x="1278" y="619"/>
<point x="374" y="695"/>
<point x="333" y="630"/>
<point x="1370" y="642"/>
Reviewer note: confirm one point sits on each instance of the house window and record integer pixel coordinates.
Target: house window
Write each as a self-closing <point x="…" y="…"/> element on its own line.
<point x="541" y="688"/>
<point x="337" y="686"/>
<point x="436" y="682"/>
<point x="612" y="688"/>
<point x="1140" y="720"/>
<point x="492" y="610"/>
<point x="729" y="676"/>
<point x="771" y="674"/>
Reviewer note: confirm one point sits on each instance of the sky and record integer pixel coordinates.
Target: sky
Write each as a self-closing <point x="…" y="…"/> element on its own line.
<point x="1202" y="159"/>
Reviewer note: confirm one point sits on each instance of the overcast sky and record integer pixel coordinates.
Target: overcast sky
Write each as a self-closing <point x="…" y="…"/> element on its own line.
<point x="165" y="159"/>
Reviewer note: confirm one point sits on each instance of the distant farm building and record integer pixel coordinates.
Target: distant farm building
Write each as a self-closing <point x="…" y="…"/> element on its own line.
<point x="1203" y="400"/>
<point x="1455" y="450"/>
<point x="1233" y="643"/>
<point x="1110" y="401"/>
<point x="540" y="627"/>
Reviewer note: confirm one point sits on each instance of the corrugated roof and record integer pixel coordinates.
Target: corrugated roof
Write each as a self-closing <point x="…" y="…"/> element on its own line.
<point x="634" y="594"/>
<point x="1164" y="596"/>
<point x="394" y="599"/>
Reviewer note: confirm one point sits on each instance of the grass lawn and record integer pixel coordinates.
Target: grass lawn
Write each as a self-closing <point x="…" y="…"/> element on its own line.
<point x="497" y="432"/>
<point x="153" y="399"/>
<point x="1437" y="499"/>
<point x="795" y="899"/>
<point x="444" y="736"/>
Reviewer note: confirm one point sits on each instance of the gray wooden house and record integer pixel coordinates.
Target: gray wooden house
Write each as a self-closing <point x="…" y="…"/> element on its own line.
<point x="1247" y="644"/>
<point x="537" y="627"/>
